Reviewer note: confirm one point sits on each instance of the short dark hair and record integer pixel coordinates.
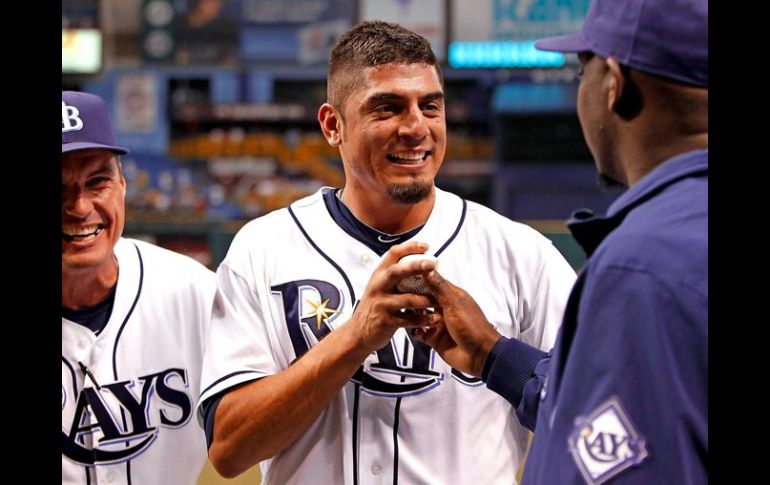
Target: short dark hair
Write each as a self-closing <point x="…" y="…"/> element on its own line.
<point x="369" y="44"/>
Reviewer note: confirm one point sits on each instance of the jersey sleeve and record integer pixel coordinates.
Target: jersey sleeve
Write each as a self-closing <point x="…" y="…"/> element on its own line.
<point x="543" y="295"/>
<point x="542" y="318"/>
<point x="239" y="345"/>
<point x="542" y="281"/>
<point x="203" y="283"/>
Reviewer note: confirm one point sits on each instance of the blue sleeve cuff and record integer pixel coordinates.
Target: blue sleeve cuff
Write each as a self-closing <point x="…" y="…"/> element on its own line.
<point x="510" y="364"/>
<point x="209" y="409"/>
<point x="492" y="356"/>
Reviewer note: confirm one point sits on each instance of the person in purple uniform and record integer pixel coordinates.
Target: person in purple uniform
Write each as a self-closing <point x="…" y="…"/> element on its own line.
<point x="623" y="394"/>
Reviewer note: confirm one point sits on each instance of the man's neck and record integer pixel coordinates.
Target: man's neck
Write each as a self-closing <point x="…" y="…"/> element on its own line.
<point x="673" y="121"/>
<point x="643" y="159"/>
<point x="84" y="289"/>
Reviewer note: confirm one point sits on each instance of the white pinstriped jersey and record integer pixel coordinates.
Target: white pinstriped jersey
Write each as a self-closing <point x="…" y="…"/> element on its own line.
<point x="406" y="416"/>
<point x="129" y="392"/>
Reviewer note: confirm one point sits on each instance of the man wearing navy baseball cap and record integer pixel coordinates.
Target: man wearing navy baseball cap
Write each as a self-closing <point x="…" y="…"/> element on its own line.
<point x="134" y="320"/>
<point x="87" y="139"/>
<point x="623" y="396"/>
<point x="85" y="123"/>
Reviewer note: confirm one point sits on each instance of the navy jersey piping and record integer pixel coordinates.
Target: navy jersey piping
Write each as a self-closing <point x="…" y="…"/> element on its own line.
<point x="72" y="372"/>
<point x="457" y="230"/>
<point x="397" y="413"/>
<point x="75" y="387"/>
<point x="352" y="299"/>
<point x="117" y="340"/>
<point x="323" y="254"/>
<point x="398" y="400"/>
<point x="130" y="311"/>
<point x="225" y="378"/>
<point x="355" y="433"/>
<point x="395" y="440"/>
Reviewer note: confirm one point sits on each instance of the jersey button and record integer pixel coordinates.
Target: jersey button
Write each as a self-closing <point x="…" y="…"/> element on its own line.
<point x="366" y="259"/>
<point x="82" y="344"/>
<point x="110" y="477"/>
<point x="376" y="469"/>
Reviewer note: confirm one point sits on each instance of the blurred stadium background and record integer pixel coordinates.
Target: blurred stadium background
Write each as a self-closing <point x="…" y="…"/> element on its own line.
<point x="217" y="101"/>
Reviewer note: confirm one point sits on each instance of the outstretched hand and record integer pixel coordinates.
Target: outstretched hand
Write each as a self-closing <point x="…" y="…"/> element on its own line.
<point x="378" y="314"/>
<point x="463" y="337"/>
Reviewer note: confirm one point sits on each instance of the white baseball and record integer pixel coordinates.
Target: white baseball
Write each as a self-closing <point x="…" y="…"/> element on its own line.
<point x="415" y="284"/>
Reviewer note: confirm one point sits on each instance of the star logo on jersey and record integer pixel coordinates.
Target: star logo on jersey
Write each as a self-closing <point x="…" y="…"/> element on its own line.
<point x="310" y="308"/>
<point x="321" y="312"/>
<point x="605" y="443"/>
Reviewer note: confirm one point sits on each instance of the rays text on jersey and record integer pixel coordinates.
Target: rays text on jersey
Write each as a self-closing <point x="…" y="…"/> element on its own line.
<point x="113" y="424"/>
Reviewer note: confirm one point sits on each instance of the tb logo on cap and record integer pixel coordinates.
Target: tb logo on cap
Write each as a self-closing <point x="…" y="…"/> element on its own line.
<point x="70" y="118"/>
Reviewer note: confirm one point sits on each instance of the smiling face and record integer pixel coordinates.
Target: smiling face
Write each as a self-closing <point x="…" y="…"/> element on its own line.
<point x="391" y="131"/>
<point x="93" y="209"/>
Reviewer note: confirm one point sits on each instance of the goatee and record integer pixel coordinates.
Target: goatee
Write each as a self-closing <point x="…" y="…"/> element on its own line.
<point x="409" y="193"/>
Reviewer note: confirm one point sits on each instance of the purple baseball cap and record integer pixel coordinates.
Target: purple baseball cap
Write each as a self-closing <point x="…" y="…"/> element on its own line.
<point x="85" y="123"/>
<point x="668" y="38"/>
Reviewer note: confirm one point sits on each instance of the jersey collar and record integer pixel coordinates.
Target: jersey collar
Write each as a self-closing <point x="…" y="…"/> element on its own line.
<point x="377" y="241"/>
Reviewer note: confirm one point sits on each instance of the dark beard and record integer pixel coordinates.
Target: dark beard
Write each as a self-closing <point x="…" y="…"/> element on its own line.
<point x="411" y="193"/>
<point x="606" y="182"/>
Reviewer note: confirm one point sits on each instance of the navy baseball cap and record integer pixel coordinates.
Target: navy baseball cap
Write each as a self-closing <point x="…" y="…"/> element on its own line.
<point x="85" y="123"/>
<point x="668" y="38"/>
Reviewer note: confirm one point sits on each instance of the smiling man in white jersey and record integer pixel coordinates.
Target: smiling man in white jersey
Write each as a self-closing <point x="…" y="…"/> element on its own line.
<point x="308" y="369"/>
<point x="134" y="323"/>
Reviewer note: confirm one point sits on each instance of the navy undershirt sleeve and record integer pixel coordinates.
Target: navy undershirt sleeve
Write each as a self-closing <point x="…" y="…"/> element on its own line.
<point x="209" y="409"/>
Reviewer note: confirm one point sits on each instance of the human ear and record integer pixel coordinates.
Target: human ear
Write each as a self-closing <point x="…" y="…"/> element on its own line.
<point x="623" y="95"/>
<point x="329" y="120"/>
<point x="615" y="83"/>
